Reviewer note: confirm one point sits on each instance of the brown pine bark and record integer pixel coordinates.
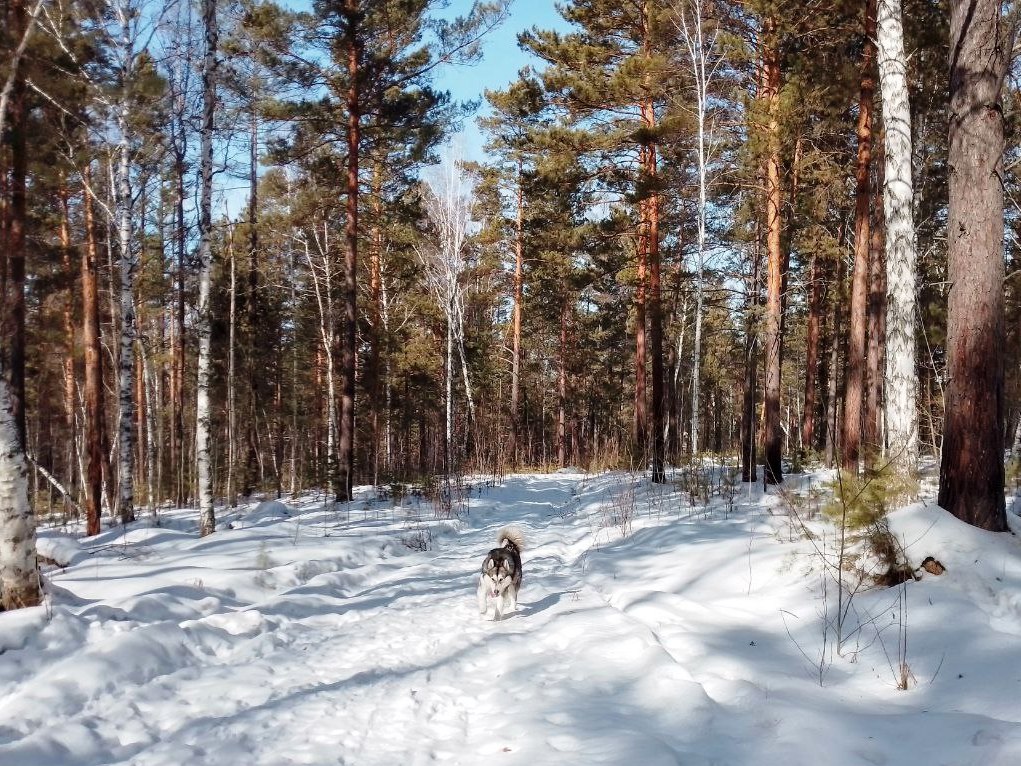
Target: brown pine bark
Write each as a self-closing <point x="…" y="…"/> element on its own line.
<point x="94" y="424"/>
<point x="772" y="435"/>
<point x="971" y="468"/>
<point x="854" y="392"/>
<point x="655" y="302"/>
<point x="349" y="293"/>
<point x="641" y="407"/>
<point x="876" y="354"/>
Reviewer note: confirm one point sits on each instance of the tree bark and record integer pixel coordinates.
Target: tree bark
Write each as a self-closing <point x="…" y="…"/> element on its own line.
<point x="655" y="304"/>
<point x="562" y="386"/>
<point x="203" y="414"/>
<point x="345" y="457"/>
<point x="12" y="312"/>
<point x="854" y="392"/>
<point x="641" y="407"/>
<point x="971" y="469"/>
<point x="898" y="200"/>
<point x="772" y="435"/>
<point x="94" y="423"/>
<point x="19" y="574"/>
<point x="128" y="272"/>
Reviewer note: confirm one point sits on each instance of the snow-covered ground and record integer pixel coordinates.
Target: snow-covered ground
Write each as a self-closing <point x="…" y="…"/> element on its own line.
<point x="298" y="635"/>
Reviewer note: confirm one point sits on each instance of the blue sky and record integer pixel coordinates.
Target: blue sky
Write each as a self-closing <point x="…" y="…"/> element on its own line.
<point x="501" y="59"/>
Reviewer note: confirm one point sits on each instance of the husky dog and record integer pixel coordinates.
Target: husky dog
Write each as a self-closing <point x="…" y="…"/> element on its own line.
<point x="501" y="574"/>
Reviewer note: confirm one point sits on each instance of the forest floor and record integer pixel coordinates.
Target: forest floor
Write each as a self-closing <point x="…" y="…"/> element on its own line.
<point x="650" y="631"/>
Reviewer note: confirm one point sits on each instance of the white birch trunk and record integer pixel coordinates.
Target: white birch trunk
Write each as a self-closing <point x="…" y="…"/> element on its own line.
<point x="448" y="368"/>
<point x="128" y="272"/>
<point x="19" y="574"/>
<point x="703" y="67"/>
<point x="203" y="425"/>
<point x="901" y="416"/>
<point x="327" y="334"/>
<point x="449" y="205"/>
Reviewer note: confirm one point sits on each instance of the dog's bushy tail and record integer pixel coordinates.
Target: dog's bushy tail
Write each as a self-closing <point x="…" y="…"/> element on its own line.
<point x="511" y="537"/>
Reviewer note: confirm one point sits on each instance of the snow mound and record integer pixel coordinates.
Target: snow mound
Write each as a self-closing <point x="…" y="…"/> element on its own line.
<point x="62" y="550"/>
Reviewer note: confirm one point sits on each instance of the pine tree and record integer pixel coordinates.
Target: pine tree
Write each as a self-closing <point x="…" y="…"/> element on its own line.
<point x="971" y="468"/>
<point x="614" y="74"/>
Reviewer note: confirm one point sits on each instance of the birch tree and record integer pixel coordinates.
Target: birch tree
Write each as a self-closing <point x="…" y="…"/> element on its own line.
<point x="448" y="204"/>
<point x="901" y="418"/>
<point x="19" y="572"/>
<point x="203" y="426"/>
<point x="704" y="64"/>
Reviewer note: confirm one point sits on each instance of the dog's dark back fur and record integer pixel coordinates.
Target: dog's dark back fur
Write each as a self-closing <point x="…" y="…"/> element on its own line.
<point x="506" y="558"/>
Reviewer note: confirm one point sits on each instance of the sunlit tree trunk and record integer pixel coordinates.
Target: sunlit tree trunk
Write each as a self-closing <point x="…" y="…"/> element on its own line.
<point x="203" y="414"/>
<point x="772" y="434"/>
<point x="345" y="457"/>
<point x="94" y="409"/>
<point x="971" y="469"/>
<point x="854" y="392"/>
<point x="898" y="192"/>
<point x="19" y="573"/>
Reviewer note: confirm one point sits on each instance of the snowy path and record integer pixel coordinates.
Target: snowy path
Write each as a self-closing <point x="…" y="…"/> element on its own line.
<point x="663" y="648"/>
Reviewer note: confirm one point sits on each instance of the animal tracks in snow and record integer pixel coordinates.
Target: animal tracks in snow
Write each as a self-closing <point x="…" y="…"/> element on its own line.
<point x="308" y="637"/>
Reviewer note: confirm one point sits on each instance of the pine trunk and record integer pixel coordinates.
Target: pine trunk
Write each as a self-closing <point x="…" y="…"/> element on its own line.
<point x="898" y="198"/>
<point x="94" y="410"/>
<point x="655" y="305"/>
<point x="854" y="393"/>
<point x="641" y="408"/>
<point x="203" y="413"/>
<point x="772" y="434"/>
<point x="345" y="456"/>
<point x="971" y="469"/>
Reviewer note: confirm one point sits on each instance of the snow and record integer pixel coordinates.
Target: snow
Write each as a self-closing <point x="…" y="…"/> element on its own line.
<point x="308" y="634"/>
